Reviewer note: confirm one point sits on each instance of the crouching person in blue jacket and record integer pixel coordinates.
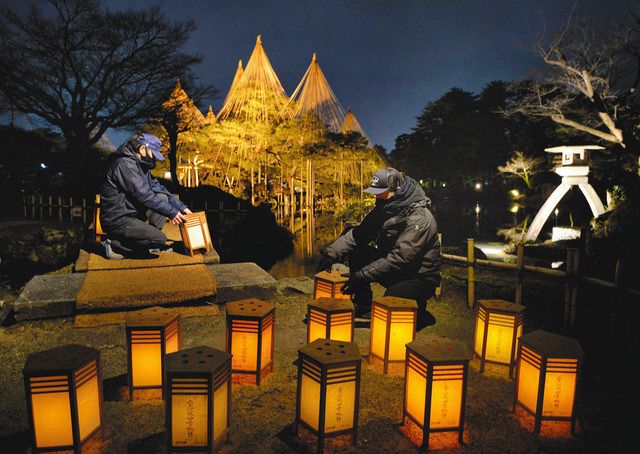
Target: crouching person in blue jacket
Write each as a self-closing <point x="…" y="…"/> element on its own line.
<point x="134" y="206"/>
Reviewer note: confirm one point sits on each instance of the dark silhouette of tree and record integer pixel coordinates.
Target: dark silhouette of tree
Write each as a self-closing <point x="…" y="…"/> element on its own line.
<point x="84" y="69"/>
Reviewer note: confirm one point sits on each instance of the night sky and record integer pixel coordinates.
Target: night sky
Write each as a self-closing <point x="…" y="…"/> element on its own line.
<point x="384" y="59"/>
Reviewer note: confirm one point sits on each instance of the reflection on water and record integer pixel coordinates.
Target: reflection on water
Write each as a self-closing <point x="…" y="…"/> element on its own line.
<point x="457" y="221"/>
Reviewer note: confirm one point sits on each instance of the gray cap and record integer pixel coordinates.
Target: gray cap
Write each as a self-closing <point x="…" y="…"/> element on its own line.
<point x="384" y="180"/>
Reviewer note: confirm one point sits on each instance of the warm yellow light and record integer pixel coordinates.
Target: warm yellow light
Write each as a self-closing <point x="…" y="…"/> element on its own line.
<point x="396" y="316"/>
<point x="514" y="209"/>
<point x="435" y="385"/>
<point x="70" y="394"/>
<point x="328" y="389"/>
<point x="195" y="232"/>
<point x="250" y="336"/>
<point x="478" y="186"/>
<point x="328" y="285"/>
<point x="548" y="368"/>
<point x="197" y="391"/>
<point x="515" y="192"/>
<point x="498" y="326"/>
<point x="330" y="318"/>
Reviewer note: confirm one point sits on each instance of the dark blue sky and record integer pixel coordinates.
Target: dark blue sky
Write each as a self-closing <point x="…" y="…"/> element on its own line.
<point x="384" y="59"/>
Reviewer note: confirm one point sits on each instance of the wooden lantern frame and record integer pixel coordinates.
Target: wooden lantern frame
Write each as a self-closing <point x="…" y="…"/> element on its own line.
<point x="198" y="371"/>
<point x="197" y="219"/>
<point x="252" y="316"/>
<point x="434" y="359"/>
<point x="326" y="361"/>
<point x="63" y="370"/>
<point x="389" y="310"/>
<point x="498" y="313"/>
<point x="153" y="325"/>
<point x="548" y="352"/>
<point x="328" y="284"/>
<point x="330" y="312"/>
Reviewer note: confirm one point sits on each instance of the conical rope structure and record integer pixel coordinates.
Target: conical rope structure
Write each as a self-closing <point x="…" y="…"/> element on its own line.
<point x="186" y="109"/>
<point x="314" y="95"/>
<point x="351" y="124"/>
<point x="258" y="95"/>
<point x="236" y="79"/>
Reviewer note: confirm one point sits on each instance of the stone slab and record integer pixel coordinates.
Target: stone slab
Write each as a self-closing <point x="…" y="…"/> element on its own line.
<point x="82" y="264"/>
<point x="243" y="280"/>
<point x="48" y="295"/>
<point x="54" y="295"/>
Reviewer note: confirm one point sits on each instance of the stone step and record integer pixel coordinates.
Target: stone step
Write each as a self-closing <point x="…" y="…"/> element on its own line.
<point x="54" y="295"/>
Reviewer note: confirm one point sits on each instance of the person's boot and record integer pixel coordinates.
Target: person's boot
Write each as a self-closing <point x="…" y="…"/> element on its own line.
<point x="362" y="304"/>
<point x="165" y="248"/>
<point x="424" y="318"/>
<point x="109" y="252"/>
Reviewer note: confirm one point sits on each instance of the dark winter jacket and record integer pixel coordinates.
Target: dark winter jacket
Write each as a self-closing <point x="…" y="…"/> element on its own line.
<point x="405" y="234"/>
<point x="129" y="190"/>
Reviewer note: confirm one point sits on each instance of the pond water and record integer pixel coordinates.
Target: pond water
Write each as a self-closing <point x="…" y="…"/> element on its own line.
<point x="457" y="221"/>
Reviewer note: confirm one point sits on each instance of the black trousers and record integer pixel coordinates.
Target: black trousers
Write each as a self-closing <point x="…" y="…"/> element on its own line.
<point x="136" y="236"/>
<point x="410" y="287"/>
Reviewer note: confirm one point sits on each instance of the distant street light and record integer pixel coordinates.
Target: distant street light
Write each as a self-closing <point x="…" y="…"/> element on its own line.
<point x="515" y="192"/>
<point x="478" y="186"/>
<point x="43" y="165"/>
<point x="514" y="209"/>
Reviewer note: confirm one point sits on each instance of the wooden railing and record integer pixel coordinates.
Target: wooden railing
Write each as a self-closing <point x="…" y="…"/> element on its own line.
<point x="572" y="276"/>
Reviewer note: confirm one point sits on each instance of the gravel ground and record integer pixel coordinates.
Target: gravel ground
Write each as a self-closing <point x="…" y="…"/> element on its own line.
<point x="262" y="416"/>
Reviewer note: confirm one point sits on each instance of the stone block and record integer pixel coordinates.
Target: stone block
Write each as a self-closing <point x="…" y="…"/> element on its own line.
<point x="243" y="280"/>
<point x="48" y="295"/>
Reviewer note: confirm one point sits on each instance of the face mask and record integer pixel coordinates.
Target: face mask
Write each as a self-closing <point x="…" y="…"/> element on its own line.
<point x="148" y="162"/>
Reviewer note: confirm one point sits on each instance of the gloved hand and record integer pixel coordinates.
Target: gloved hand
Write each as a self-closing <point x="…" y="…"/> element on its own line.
<point x="351" y="286"/>
<point x="326" y="262"/>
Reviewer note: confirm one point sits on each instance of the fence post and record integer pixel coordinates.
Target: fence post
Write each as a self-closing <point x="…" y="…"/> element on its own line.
<point x="571" y="288"/>
<point x="50" y="207"/>
<point x="40" y="207"/>
<point x="471" y="273"/>
<point x="84" y="210"/>
<point x="60" y="208"/>
<point x="24" y="204"/>
<point x="220" y="211"/>
<point x="439" y="287"/>
<point x="519" y="272"/>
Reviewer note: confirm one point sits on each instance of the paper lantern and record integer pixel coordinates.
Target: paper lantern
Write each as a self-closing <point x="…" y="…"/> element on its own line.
<point x="152" y="333"/>
<point x="63" y="389"/>
<point x="393" y="324"/>
<point x="328" y="285"/>
<point x="195" y="232"/>
<point x="328" y="398"/>
<point x="436" y="374"/>
<point x="498" y="327"/>
<point x="547" y="377"/>
<point x="250" y="336"/>
<point x="198" y="399"/>
<point x="330" y="318"/>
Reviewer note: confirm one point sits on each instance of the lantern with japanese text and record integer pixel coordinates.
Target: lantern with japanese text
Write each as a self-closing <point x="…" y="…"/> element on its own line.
<point x="498" y="327"/>
<point x="328" y="399"/>
<point x="198" y="399"/>
<point x="328" y="284"/>
<point x="393" y="324"/>
<point x="250" y="336"/>
<point x="547" y="377"/>
<point x="195" y="232"/>
<point x="63" y="389"/>
<point x="151" y="334"/>
<point x="330" y="318"/>
<point x="436" y="374"/>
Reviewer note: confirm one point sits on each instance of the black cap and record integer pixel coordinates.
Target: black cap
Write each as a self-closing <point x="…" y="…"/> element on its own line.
<point x="384" y="180"/>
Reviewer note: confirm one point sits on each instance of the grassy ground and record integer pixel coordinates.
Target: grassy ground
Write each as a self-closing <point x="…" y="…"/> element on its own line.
<point x="262" y="416"/>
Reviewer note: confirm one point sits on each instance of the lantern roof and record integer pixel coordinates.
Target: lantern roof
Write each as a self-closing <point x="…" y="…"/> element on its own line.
<point x="151" y="317"/>
<point x="329" y="352"/>
<point x="201" y="359"/>
<point x="436" y="349"/>
<point x="334" y="277"/>
<point x="250" y="307"/>
<point x="66" y="358"/>
<point x="552" y="345"/>
<point x="332" y="304"/>
<point x="502" y="306"/>
<point x="395" y="302"/>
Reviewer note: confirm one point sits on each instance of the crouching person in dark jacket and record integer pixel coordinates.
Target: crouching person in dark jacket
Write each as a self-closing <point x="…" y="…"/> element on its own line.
<point x="134" y="206"/>
<point x="396" y="245"/>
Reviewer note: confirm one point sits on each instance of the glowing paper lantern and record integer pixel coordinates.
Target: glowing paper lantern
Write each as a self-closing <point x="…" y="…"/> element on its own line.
<point x="330" y="318"/>
<point x="547" y="377"/>
<point x="393" y="324"/>
<point x="152" y="333"/>
<point x="195" y="232"/>
<point x="250" y="336"/>
<point x="63" y="389"/>
<point x="198" y="399"/>
<point x="328" y="285"/>
<point x="328" y="397"/>
<point x="435" y="389"/>
<point x="498" y="327"/>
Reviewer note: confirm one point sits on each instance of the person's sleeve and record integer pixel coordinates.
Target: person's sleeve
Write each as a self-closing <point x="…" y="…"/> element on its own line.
<point x="411" y="244"/>
<point x="137" y="186"/>
<point x="361" y="234"/>
<point x="157" y="187"/>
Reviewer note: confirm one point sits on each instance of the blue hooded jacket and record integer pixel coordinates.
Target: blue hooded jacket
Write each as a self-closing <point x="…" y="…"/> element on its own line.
<point x="129" y="190"/>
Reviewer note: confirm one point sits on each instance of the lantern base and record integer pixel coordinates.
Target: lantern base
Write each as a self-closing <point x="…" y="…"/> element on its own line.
<point x="388" y="367"/>
<point x="495" y="368"/>
<point x="334" y="440"/>
<point x="435" y="440"/>
<point x="547" y="427"/>
<point x="145" y="394"/>
<point x="241" y="377"/>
